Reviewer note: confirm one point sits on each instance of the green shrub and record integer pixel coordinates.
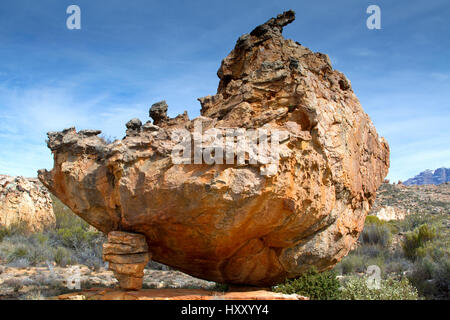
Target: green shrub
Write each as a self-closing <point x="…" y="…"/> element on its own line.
<point x="14" y="229"/>
<point x="317" y="286"/>
<point x="65" y="246"/>
<point x="373" y="220"/>
<point x="423" y="255"/>
<point x="42" y="238"/>
<point x="62" y="256"/>
<point x="19" y="253"/>
<point x="76" y="237"/>
<point x="431" y="277"/>
<point x="352" y="263"/>
<point x="412" y="222"/>
<point x="396" y="262"/>
<point x="356" y="288"/>
<point x="73" y="241"/>
<point x="33" y="249"/>
<point x="376" y="234"/>
<point x="221" y="287"/>
<point x="415" y="240"/>
<point x="3" y="233"/>
<point x="65" y="218"/>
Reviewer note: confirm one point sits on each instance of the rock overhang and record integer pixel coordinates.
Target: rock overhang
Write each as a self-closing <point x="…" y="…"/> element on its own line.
<point x="227" y="222"/>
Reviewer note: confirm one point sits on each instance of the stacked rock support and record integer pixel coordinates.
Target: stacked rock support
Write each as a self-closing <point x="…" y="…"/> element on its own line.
<point x="127" y="254"/>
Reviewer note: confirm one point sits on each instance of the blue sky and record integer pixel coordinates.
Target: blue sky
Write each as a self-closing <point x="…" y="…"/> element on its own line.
<point x="130" y="54"/>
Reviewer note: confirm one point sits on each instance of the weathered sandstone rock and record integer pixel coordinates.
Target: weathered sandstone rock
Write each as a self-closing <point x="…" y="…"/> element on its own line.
<point x="253" y="221"/>
<point x="136" y="241"/>
<point x="177" y="294"/>
<point x="388" y="213"/>
<point x="127" y="254"/>
<point x="118" y="248"/>
<point x="128" y="258"/>
<point x="26" y="202"/>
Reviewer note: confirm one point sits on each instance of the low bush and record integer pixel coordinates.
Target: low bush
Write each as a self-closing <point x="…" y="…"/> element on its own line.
<point x="396" y="262"/>
<point x="373" y="220"/>
<point x="76" y="237"/>
<point x="221" y="287"/>
<point x="65" y="218"/>
<point x="412" y="222"/>
<point x="16" y="228"/>
<point x="422" y="255"/>
<point x="356" y="288"/>
<point x="351" y="263"/>
<point x="364" y="256"/>
<point x="416" y="240"/>
<point x="62" y="256"/>
<point x="72" y="242"/>
<point x="431" y="275"/>
<point x="376" y="234"/>
<point x="312" y="284"/>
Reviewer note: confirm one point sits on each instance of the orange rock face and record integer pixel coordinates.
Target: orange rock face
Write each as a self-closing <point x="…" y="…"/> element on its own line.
<point x="246" y="222"/>
<point x="127" y="254"/>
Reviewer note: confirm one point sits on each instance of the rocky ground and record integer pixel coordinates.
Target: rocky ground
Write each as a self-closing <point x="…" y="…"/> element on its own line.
<point x="36" y="283"/>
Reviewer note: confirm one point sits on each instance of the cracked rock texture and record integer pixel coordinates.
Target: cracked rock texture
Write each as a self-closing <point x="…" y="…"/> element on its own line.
<point x="26" y="202"/>
<point x="127" y="254"/>
<point x="229" y="222"/>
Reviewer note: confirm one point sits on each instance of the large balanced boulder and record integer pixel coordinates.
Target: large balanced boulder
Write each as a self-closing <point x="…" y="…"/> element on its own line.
<point x="25" y="202"/>
<point x="260" y="218"/>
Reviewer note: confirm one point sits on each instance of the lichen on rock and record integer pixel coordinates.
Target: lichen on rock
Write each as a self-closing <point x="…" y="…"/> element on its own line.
<point x="232" y="222"/>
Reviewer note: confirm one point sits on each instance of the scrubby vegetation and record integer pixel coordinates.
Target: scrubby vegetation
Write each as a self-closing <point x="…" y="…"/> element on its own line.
<point x="412" y="256"/>
<point x="356" y="288"/>
<point x="414" y="250"/>
<point x="326" y="286"/>
<point x="72" y="241"/>
<point x="317" y="286"/>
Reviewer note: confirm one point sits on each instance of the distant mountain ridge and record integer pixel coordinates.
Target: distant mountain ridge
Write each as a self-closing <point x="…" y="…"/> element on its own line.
<point x="438" y="176"/>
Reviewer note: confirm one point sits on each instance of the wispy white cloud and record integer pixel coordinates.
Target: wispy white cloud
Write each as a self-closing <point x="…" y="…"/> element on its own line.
<point x="440" y="76"/>
<point x="28" y="113"/>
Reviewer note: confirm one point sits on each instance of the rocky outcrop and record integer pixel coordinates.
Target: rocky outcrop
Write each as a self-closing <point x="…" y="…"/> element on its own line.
<point x="127" y="254"/>
<point x="255" y="217"/>
<point x="26" y="202"/>
<point x="388" y="213"/>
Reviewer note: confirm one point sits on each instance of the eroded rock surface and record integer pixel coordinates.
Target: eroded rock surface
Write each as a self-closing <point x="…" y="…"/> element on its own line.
<point x="178" y="294"/>
<point x="26" y="202"/>
<point x="127" y="254"/>
<point x="388" y="213"/>
<point x="246" y="223"/>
